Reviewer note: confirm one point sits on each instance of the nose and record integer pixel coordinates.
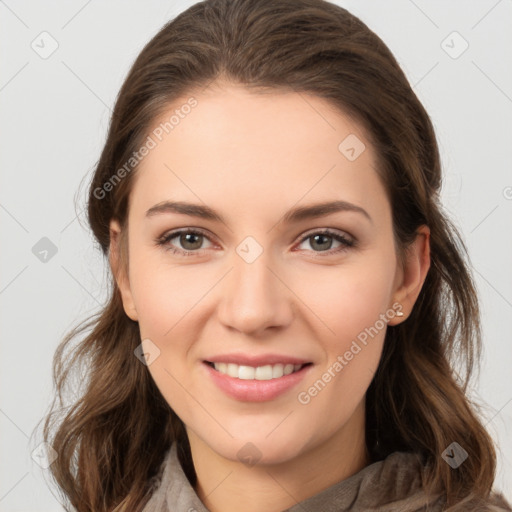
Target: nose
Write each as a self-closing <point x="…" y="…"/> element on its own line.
<point x="255" y="298"/>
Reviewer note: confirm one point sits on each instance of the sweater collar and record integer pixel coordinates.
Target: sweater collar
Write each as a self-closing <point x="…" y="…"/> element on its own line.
<point x="386" y="485"/>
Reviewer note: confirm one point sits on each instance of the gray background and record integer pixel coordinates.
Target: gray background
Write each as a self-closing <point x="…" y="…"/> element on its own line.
<point x="55" y="113"/>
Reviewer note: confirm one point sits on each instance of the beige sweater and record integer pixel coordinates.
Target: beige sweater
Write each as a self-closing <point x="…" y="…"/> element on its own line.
<point x="390" y="485"/>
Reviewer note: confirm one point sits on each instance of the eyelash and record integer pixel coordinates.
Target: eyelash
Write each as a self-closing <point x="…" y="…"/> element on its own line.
<point x="164" y="240"/>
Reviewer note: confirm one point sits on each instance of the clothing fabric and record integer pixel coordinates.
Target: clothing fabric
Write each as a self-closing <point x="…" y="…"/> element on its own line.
<point x="389" y="485"/>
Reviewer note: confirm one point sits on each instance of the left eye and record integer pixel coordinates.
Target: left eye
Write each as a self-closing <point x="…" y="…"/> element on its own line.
<point x="191" y="241"/>
<point x="319" y="238"/>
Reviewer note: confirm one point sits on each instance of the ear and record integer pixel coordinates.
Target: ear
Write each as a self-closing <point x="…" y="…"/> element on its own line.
<point x="410" y="279"/>
<point x="119" y="271"/>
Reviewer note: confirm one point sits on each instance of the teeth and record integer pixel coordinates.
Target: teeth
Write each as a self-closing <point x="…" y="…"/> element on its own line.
<point x="259" y="373"/>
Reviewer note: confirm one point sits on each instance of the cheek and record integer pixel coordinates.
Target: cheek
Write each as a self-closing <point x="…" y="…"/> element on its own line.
<point x="350" y="298"/>
<point x="352" y="350"/>
<point x="164" y="293"/>
<point x="166" y="297"/>
<point x="352" y="304"/>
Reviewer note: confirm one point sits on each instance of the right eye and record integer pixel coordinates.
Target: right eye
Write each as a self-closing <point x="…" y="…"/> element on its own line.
<point x="185" y="237"/>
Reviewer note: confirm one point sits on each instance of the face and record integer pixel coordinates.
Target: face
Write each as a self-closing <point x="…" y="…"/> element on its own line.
<point x="262" y="286"/>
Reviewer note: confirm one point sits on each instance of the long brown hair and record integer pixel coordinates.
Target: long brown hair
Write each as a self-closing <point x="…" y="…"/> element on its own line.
<point x="112" y="439"/>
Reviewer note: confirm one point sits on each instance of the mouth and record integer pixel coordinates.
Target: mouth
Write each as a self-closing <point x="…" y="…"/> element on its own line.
<point x="266" y="372"/>
<point x="263" y="383"/>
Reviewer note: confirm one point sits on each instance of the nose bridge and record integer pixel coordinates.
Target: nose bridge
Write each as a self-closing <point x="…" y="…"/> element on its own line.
<point x="253" y="297"/>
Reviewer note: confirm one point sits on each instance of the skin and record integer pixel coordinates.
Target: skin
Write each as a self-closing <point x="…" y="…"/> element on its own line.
<point x="253" y="157"/>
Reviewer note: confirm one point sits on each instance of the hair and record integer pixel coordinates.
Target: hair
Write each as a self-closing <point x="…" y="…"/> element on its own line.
<point x="112" y="440"/>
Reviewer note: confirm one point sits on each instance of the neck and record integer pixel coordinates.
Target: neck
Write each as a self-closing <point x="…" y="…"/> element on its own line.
<point x="224" y="485"/>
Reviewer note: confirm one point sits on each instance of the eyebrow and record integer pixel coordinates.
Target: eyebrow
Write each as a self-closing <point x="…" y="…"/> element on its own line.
<point x="292" y="216"/>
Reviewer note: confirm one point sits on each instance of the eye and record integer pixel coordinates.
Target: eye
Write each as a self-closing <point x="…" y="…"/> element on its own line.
<point x="323" y="241"/>
<point x="189" y="239"/>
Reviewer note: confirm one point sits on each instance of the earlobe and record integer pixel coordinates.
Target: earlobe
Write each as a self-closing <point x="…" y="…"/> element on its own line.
<point x="414" y="273"/>
<point x="119" y="271"/>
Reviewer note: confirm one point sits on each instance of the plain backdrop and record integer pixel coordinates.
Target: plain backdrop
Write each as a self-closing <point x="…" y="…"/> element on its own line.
<point x="55" y="111"/>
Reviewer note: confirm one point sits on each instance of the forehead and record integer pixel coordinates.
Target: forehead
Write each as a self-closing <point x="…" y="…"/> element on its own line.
<point x="254" y="150"/>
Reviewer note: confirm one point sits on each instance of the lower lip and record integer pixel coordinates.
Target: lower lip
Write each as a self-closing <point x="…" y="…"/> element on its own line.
<point x="256" y="390"/>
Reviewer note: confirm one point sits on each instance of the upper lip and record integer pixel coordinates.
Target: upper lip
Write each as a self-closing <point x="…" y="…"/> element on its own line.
<point x="253" y="360"/>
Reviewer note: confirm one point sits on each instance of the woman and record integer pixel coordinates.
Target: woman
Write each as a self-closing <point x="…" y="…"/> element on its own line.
<point x="240" y="365"/>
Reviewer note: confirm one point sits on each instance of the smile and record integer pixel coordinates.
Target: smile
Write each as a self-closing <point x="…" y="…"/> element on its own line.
<point x="256" y="383"/>
<point x="267" y="372"/>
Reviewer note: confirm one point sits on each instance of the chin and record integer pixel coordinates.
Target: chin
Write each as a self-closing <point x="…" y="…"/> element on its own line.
<point x="258" y="448"/>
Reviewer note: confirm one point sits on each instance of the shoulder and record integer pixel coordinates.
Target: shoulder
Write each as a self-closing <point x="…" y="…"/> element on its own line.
<point x="399" y="478"/>
<point x="496" y="502"/>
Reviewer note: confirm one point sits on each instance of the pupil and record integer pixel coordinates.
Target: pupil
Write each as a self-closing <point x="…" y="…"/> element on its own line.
<point x="185" y="240"/>
<point x="321" y="236"/>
